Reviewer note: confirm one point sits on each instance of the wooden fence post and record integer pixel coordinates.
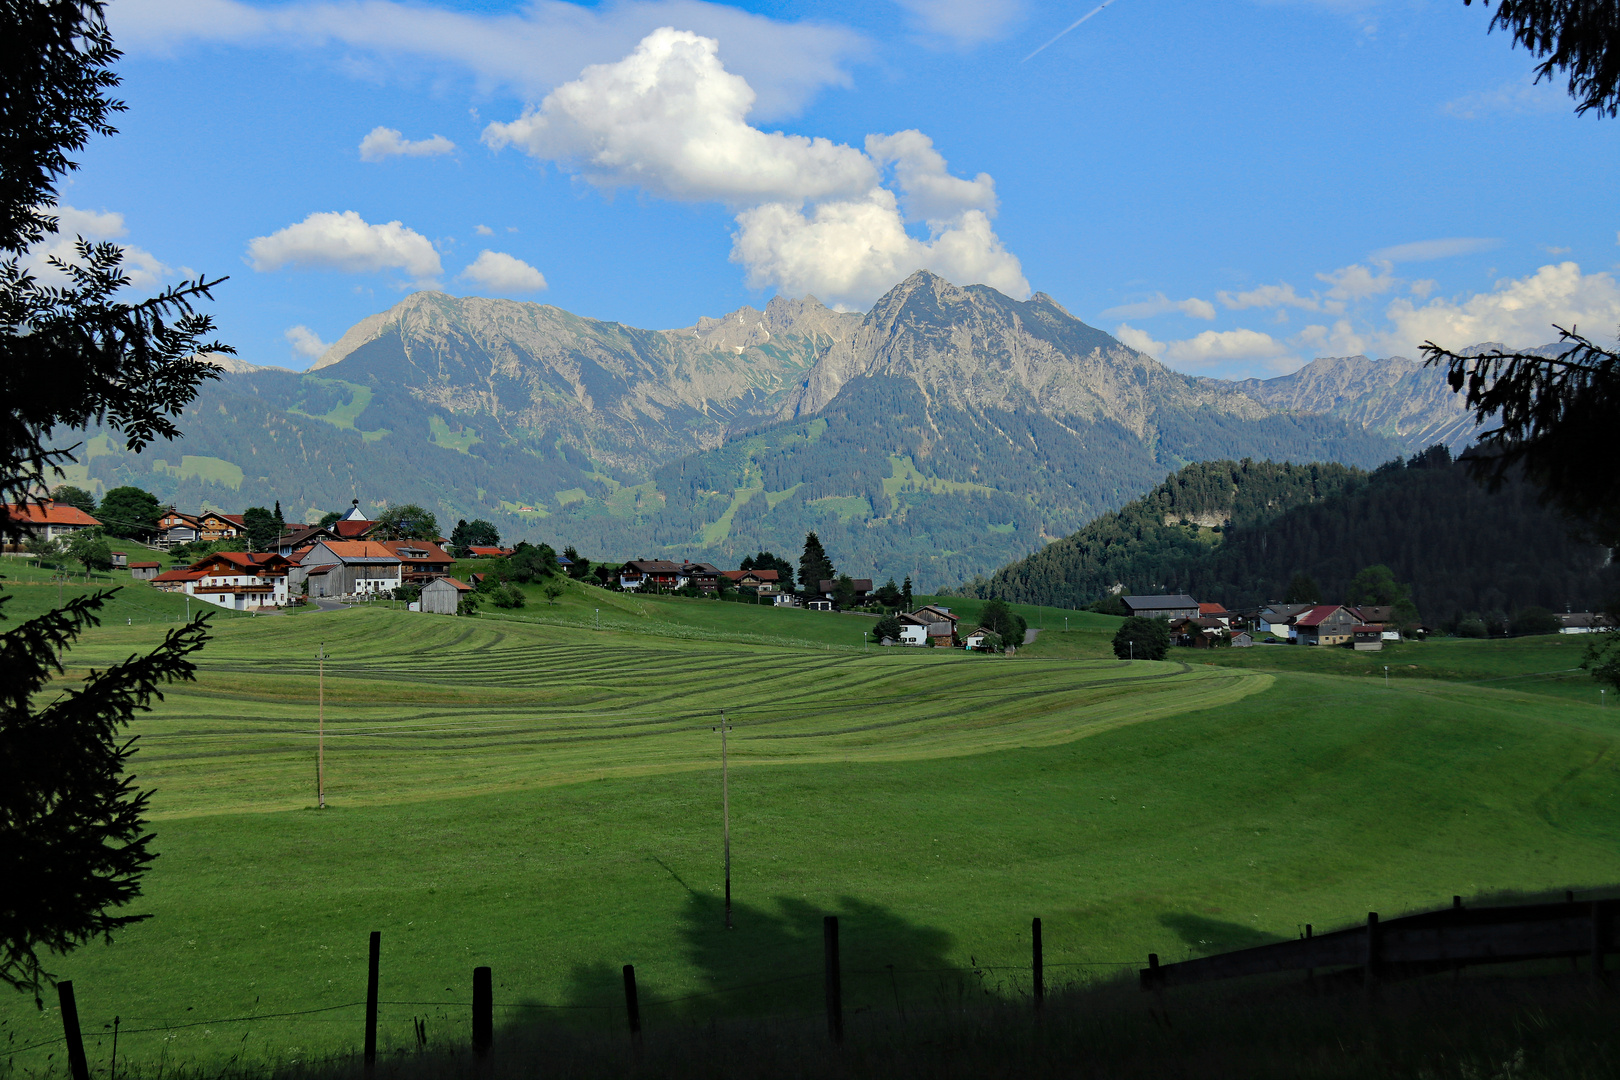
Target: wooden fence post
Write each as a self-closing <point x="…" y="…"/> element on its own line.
<point x="483" y="1005"/>
<point x="70" y="1029"/>
<point x="371" y="1001"/>
<point x="632" y="1003"/>
<point x="835" y="988"/>
<point x="1602" y="931"/>
<point x="1372" y="964"/>
<point x="1038" y="972"/>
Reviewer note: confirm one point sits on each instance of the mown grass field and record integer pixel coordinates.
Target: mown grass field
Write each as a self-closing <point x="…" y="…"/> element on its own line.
<point x="528" y="792"/>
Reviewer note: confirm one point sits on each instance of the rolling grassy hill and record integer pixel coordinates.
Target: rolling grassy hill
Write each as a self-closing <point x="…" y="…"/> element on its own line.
<point x="544" y="798"/>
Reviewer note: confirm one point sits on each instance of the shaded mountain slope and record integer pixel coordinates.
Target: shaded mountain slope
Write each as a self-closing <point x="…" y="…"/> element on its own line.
<point x="1236" y="533"/>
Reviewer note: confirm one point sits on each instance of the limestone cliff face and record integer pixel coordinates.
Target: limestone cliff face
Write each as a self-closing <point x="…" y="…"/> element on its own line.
<point x="636" y="397"/>
<point x="975" y="349"/>
<point x="1396" y="397"/>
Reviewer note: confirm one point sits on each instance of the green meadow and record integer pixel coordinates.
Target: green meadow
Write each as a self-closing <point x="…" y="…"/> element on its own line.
<point x="526" y="791"/>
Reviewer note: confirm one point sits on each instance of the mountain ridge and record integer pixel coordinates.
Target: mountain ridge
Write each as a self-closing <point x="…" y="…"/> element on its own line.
<point x="945" y="431"/>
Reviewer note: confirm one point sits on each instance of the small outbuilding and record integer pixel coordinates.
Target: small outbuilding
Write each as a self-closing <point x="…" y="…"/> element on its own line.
<point x="1368" y="638"/>
<point x="144" y="571"/>
<point x="442" y="596"/>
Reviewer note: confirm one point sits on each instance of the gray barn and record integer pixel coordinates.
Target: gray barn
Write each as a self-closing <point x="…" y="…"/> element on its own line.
<point x="442" y="595"/>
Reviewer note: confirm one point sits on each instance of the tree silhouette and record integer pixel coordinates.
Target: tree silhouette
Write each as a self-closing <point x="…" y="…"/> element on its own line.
<point x="72" y="847"/>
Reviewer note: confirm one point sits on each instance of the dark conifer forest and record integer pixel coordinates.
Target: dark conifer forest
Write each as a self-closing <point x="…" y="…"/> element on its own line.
<point x="1237" y="533"/>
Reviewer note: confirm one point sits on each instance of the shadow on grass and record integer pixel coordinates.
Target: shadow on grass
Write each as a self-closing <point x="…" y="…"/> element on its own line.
<point x="771" y="963"/>
<point x="1205" y="936"/>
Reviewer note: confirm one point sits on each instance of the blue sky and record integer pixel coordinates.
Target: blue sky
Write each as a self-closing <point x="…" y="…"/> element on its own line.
<point x="1234" y="188"/>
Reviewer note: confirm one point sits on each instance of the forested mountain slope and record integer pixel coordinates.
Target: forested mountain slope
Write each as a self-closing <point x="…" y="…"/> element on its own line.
<point x="1237" y="533"/>
<point x="941" y="434"/>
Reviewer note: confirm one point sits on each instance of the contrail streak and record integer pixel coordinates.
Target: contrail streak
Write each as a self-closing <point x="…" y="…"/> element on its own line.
<point x="1066" y="29"/>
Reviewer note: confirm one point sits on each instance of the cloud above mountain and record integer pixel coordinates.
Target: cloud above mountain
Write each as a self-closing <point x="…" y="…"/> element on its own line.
<point x="503" y="273"/>
<point x="813" y="215"/>
<point x="346" y="242"/>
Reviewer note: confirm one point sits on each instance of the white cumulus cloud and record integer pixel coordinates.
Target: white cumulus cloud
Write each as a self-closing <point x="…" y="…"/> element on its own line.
<point x="670" y="119"/>
<point x="346" y="242"/>
<point x="144" y="270"/>
<point x="1140" y="340"/>
<point x="851" y="252"/>
<point x="1519" y="312"/>
<point x="384" y="142"/>
<point x="500" y="272"/>
<point x="306" y="342"/>
<point x="1161" y="305"/>
<point x="813" y="215"/>
<point x="1221" y="346"/>
<point x="1357" y="282"/>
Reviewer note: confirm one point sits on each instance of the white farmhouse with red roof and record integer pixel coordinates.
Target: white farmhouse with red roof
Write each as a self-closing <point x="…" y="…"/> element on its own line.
<point x="49" y="520"/>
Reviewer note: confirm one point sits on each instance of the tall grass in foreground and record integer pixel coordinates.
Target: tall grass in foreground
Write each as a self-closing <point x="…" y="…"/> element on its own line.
<point x="1477" y="1028"/>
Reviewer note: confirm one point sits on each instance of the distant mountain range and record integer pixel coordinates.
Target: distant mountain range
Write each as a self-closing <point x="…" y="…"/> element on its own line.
<point x="944" y="433"/>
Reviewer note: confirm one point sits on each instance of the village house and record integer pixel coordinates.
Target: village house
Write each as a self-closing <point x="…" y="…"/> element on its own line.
<point x="1179" y="606"/>
<point x="1325" y="624"/>
<point x="348" y="568"/>
<point x="296" y="539"/>
<point x="1201" y="633"/>
<point x="1276" y="619"/>
<point x="701" y="575"/>
<point x="481" y="551"/>
<point x="1217" y="612"/>
<point x="230" y="579"/>
<point x="144" y="571"/>
<point x="49" y="520"/>
<point x="649" y="575"/>
<point x="1367" y="638"/>
<point x="763" y="582"/>
<point x="929" y="623"/>
<point x="442" y="596"/>
<point x="1583" y="622"/>
<point x="240" y="581"/>
<point x="829" y="589"/>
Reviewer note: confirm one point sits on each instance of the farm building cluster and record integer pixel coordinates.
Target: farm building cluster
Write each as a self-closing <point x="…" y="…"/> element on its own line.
<point x="1204" y="624"/>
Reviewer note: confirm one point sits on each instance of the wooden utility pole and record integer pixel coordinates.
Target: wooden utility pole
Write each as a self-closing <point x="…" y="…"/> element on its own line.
<point x="725" y="810"/>
<point x="320" y="732"/>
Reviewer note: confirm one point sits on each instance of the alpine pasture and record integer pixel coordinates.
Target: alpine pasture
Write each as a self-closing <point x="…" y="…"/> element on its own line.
<point x="526" y="791"/>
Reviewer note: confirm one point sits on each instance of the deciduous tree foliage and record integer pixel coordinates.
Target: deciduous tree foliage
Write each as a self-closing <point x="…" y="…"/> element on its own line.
<point x="129" y="511"/>
<point x="263" y="528"/>
<point x="75" y="497"/>
<point x="407" y="522"/>
<point x="1140" y="638"/>
<point x="72" y="847"/>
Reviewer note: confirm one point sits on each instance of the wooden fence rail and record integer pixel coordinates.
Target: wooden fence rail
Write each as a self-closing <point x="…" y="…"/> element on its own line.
<point x="1451" y="938"/>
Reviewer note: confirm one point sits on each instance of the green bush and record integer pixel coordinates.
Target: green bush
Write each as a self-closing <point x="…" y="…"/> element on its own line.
<point x="1471" y="627"/>
<point x="1141" y="638"/>
<point x="1535" y="620"/>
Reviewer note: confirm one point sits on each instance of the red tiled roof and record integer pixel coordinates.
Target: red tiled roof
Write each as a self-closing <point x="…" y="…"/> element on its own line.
<point x="430" y="552"/>
<point x="143" y="565"/>
<point x="763" y="575"/>
<point x="359" y="549"/>
<point x="323" y="568"/>
<point x="1315" y="616"/>
<point x="489" y="552"/>
<point x="1211" y="609"/>
<point x="459" y="586"/>
<point x="180" y="575"/>
<point x="351" y="529"/>
<point x="49" y="513"/>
